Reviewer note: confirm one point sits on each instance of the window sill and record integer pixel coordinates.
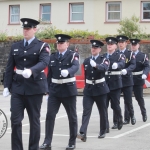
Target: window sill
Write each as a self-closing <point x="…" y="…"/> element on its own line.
<point x="112" y="22"/>
<point x="13" y="24"/>
<point x="76" y="22"/>
<point x="144" y="21"/>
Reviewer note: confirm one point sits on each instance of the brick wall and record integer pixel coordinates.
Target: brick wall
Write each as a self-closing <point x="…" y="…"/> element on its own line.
<point x="83" y="49"/>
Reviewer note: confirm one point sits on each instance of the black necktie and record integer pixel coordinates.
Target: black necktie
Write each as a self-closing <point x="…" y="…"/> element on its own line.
<point x="26" y="44"/>
<point x="60" y="56"/>
<point x="93" y="58"/>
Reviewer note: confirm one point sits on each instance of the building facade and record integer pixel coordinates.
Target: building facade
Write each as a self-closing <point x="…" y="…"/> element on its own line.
<point x="92" y="15"/>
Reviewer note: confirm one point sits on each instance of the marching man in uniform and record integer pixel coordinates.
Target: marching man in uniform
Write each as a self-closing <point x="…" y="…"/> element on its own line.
<point x="113" y="78"/>
<point x="140" y="73"/>
<point x="127" y="79"/>
<point x="62" y="89"/>
<point x="95" y="90"/>
<point x="27" y="84"/>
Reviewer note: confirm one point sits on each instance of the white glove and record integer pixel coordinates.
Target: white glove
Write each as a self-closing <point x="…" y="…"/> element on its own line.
<point x="6" y="92"/>
<point x="93" y="63"/>
<point x="114" y="66"/>
<point x="64" y="73"/>
<point x="26" y="73"/>
<point x="124" y="71"/>
<point x="144" y="76"/>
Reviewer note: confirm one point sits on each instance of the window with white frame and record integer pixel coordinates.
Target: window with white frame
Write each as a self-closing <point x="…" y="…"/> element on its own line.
<point x="146" y="11"/>
<point x="46" y="12"/>
<point x="77" y="12"/>
<point x="14" y="14"/>
<point x="113" y="11"/>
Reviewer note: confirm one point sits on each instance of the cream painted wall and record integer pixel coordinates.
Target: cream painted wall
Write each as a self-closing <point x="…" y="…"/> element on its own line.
<point x="94" y="15"/>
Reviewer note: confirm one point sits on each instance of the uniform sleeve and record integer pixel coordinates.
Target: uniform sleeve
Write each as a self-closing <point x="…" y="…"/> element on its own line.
<point x="43" y="61"/>
<point x="132" y="65"/>
<point x="75" y="64"/>
<point x="104" y="66"/>
<point x="121" y="61"/>
<point x="8" y="79"/>
<point x="146" y="67"/>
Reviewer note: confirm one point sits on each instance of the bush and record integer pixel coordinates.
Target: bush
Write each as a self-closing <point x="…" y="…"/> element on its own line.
<point x="131" y="28"/>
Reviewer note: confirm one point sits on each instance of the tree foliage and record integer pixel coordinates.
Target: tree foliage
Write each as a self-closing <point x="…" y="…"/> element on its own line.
<point x="131" y="27"/>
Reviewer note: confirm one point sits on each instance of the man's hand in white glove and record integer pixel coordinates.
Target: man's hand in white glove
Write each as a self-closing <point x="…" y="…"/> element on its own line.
<point x="6" y="92"/>
<point x="114" y="66"/>
<point x="27" y="73"/>
<point x="93" y="63"/>
<point x="64" y="73"/>
<point x="144" y="76"/>
<point x="124" y="71"/>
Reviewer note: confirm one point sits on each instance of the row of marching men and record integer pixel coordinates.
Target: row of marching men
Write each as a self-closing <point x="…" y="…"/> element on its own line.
<point x="106" y="76"/>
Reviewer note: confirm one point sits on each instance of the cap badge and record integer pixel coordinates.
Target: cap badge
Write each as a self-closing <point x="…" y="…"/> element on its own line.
<point x="109" y="40"/>
<point x="120" y="38"/>
<point x="94" y="43"/>
<point x="59" y="38"/>
<point x="25" y="22"/>
<point x="133" y="41"/>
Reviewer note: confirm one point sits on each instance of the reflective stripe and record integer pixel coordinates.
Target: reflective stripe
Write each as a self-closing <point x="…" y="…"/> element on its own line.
<point x="113" y="73"/>
<point x="95" y="81"/>
<point x="61" y="81"/>
<point x="18" y="71"/>
<point x="137" y="73"/>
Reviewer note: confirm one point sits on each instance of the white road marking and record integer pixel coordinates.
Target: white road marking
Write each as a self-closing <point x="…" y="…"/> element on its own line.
<point x="44" y="120"/>
<point x="131" y="131"/>
<point x="114" y="137"/>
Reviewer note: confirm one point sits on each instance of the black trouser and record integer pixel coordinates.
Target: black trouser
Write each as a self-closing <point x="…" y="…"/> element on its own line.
<point x="53" y="106"/>
<point x="32" y="103"/>
<point x="138" y="93"/>
<point x="88" y="102"/>
<point x="114" y="97"/>
<point x="127" y="95"/>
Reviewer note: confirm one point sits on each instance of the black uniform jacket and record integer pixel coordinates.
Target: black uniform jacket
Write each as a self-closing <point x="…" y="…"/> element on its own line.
<point x="70" y="62"/>
<point x="92" y="73"/>
<point x="30" y="57"/>
<point x="142" y="64"/>
<point x="130" y="64"/>
<point x="115" y="81"/>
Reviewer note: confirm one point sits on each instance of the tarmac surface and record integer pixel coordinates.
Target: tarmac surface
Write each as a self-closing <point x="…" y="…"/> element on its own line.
<point x="131" y="137"/>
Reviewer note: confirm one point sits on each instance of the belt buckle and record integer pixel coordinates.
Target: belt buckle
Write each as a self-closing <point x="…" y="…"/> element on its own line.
<point x="93" y="82"/>
<point x="109" y="72"/>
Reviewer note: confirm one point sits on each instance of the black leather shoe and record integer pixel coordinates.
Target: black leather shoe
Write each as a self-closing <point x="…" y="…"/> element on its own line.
<point x="45" y="146"/>
<point x="144" y="118"/>
<point x="107" y="130"/>
<point x="101" y="136"/>
<point x="70" y="147"/>
<point x="133" y="120"/>
<point x="126" y="122"/>
<point x="82" y="137"/>
<point x="120" y="124"/>
<point x="115" y="126"/>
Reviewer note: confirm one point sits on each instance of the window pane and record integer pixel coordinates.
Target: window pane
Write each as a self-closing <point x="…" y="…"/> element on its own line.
<point x="14" y="18"/>
<point x="146" y="15"/>
<point x="46" y="17"/>
<point x="14" y="10"/>
<point x="77" y="8"/>
<point x="146" y="6"/>
<point x="77" y="17"/>
<point x="46" y="9"/>
<point x="114" y="15"/>
<point x="113" y="7"/>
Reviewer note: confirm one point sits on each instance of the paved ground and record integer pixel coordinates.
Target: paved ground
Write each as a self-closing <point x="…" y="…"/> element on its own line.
<point x="129" y="138"/>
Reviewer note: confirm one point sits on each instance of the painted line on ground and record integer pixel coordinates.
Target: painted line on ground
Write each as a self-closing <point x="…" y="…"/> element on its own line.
<point x="131" y="131"/>
<point x="44" y="120"/>
<point x="114" y="137"/>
